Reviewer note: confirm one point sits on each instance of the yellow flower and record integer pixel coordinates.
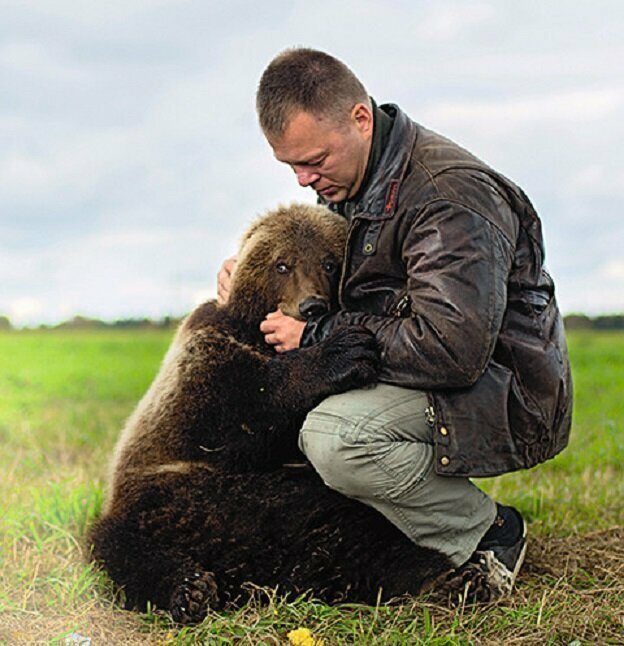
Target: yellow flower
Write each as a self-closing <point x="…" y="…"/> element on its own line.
<point x="303" y="637"/>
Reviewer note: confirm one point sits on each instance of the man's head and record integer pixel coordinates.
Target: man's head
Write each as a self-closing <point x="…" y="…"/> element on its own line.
<point x="317" y="117"/>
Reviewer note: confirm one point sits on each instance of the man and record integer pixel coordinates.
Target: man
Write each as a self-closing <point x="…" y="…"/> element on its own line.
<point x="444" y="264"/>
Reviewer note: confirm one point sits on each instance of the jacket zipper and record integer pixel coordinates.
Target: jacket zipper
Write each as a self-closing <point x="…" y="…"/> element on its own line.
<point x="430" y="415"/>
<point x="400" y="306"/>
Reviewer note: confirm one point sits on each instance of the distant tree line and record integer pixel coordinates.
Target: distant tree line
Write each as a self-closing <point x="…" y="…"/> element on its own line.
<point x="571" y="322"/>
<point x="87" y="323"/>
<point x="604" y="322"/>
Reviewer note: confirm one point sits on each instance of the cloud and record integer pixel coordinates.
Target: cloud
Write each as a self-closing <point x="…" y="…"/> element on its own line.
<point x="124" y="272"/>
<point x="614" y="270"/>
<point x="37" y="60"/>
<point x="592" y="296"/>
<point x="130" y="154"/>
<point x="444" y="21"/>
<point x="508" y="113"/>
<point x="25" y="310"/>
<point x="597" y="180"/>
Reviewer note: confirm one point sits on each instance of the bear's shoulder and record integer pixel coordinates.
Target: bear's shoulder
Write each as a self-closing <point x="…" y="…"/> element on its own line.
<point x="203" y="316"/>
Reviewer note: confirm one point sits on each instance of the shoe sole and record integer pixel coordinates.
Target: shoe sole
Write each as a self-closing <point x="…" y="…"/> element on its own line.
<point x="522" y="554"/>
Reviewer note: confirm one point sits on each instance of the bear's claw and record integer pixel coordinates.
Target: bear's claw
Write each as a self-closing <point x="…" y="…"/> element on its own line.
<point x="468" y="584"/>
<point x="191" y="599"/>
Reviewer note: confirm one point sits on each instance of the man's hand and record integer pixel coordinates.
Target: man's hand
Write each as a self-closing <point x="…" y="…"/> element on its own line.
<point x="224" y="278"/>
<point x="281" y="331"/>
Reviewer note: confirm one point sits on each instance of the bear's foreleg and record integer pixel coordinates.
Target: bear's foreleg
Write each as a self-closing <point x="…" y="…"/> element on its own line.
<point x="269" y="397"/>
<point x="300" y="379"/>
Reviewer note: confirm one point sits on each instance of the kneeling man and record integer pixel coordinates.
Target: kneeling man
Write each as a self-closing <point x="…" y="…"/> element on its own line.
<point x="444" y="264"/>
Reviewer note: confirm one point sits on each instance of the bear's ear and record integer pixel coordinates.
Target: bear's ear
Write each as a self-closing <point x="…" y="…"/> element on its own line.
<point x="253" y="255"/>
<point x="252" y="231"/>
<point x="254" y="240"/>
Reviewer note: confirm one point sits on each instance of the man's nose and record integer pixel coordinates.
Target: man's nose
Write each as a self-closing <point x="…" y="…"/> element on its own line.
<point x="306" y="177"/>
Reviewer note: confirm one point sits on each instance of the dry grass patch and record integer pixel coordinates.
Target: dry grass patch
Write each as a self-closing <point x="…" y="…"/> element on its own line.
<point x="570" y="589"/>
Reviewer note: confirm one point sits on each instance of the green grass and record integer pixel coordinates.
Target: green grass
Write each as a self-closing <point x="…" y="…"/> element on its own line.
<point x="64" y="397"/>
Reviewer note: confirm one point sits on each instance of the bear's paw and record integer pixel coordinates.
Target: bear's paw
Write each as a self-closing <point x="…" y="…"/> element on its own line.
<point x="351" y="358"/>
<point x="193" y="597"/>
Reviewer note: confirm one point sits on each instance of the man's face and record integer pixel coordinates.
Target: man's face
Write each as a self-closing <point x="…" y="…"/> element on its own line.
<point x="330" y="157"/>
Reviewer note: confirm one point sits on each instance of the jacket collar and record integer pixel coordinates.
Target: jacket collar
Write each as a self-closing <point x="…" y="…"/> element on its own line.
<point x="379" y="199"/>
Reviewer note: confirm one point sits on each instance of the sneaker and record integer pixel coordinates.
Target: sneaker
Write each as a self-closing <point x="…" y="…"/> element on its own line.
<point x="490" y="573"/>
<point x="500" y="553"/>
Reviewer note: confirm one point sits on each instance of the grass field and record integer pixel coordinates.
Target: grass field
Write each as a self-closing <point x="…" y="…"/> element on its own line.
<point x="63" y="399"/>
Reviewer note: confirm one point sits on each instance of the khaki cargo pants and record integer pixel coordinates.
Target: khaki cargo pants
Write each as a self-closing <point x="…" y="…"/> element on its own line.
<point x="375" y="445"/>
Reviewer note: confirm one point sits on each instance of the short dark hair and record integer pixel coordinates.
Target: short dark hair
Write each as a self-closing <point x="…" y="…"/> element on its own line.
<point x="309" y="80"/>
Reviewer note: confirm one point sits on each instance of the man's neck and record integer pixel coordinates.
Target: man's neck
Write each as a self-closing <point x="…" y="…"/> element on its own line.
<point x="382" y="125"/>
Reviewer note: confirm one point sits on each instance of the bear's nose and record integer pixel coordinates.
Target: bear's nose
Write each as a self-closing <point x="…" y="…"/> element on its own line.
<point x="313" y="306"/>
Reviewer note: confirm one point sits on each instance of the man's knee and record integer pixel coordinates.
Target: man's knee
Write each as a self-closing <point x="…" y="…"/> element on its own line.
<point x="364" y="443"/>
<point x="340" y="462"/>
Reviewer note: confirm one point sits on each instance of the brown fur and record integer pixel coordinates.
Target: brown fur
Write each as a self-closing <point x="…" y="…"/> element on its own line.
<point x="303" y="238"/>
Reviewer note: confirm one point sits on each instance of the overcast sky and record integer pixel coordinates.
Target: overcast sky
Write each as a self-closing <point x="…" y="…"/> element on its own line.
<point x="131" y="160"/>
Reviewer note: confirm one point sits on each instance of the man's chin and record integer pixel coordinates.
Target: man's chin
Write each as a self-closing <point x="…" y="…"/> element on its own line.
<point x="332" y="195"/>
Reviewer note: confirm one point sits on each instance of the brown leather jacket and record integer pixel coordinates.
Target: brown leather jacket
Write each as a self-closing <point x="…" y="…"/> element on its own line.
<point x="445" y="265"/>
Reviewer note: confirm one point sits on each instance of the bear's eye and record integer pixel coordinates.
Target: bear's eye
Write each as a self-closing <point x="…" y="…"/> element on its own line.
<point x="282" y="267"/>
<point x="329" y="266"/>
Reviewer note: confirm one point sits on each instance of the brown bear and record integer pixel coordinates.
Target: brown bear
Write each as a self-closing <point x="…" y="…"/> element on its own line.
<point x="203" y="496"/>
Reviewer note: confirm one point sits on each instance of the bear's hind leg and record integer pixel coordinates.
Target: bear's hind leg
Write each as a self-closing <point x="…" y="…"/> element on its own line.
<point x="155" y="544"/>
<point x="147" y="569"/>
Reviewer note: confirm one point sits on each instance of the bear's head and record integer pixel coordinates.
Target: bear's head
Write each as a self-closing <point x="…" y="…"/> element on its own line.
<point x="291" y="259"/>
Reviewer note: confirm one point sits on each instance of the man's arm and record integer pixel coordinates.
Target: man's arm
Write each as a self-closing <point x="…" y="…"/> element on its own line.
<point x="457" y="264"/>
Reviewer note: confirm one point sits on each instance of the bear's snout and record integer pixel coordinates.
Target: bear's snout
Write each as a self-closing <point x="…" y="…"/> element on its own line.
<point x="313" y="306"/>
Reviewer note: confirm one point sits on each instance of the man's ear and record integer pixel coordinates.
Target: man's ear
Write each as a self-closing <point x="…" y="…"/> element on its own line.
<point x="362" y="116"/>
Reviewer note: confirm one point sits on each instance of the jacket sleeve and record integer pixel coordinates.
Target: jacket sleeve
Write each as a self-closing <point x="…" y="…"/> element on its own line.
<point x="457" y="264"/>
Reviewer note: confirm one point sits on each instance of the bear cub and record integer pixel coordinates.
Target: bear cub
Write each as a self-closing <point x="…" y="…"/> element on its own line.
<point x="203" y="495"/>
